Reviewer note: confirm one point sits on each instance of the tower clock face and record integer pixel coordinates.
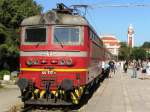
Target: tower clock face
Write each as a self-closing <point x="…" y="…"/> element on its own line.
<point x="130" y="32"/>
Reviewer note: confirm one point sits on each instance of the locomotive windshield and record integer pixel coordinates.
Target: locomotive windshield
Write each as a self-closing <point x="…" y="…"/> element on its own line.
<point x="35" y="34"/>
<point x="67" y="35"/>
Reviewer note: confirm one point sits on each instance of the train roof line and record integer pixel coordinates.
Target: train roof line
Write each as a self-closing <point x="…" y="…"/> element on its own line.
<point x="61" y="15"/>
<point x="53" y="17"/>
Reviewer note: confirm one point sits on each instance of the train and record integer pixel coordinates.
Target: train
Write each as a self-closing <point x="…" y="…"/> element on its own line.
<point x="61" y="58"/>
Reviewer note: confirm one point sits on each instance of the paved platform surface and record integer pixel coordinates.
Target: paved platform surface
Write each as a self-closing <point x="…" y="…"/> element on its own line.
<point x="121" y="93"/>
<point x="9" y="98"/>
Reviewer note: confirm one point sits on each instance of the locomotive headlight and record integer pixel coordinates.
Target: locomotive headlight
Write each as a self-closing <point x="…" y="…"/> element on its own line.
<point x="62" y="62"/>
<point x="36" y="62"/>
<point x="69" y="61"/>
<point x="29" y="62"/>
<point x="43" y="61"/>
<point x="54" y="61"/>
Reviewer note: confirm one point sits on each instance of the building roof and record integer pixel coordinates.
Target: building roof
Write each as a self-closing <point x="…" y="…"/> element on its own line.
<point x="109" y="39"/>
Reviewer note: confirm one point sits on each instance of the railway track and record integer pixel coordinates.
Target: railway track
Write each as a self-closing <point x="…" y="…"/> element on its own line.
<point x="27" y="109"/>
<point x="32" y="108"/>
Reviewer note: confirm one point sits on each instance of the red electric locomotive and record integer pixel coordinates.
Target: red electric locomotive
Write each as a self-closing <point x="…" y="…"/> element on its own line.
<point x="60" y="58"/>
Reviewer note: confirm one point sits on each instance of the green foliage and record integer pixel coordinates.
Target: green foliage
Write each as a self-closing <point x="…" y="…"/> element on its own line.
<point x="9" y="50"/>
<point x="12" y="12"/>
<point x="127" y="53"/>
<point x="3" y="34"/>
<point x="123" y="44"/>
<point x="146" y="45"/>
<point x="138" y="53"/>
<point x="124" y="51"/>
<point x="4" y="72"/>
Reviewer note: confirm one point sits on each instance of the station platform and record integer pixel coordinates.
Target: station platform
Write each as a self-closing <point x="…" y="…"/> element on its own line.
<point x="121" y="93"/>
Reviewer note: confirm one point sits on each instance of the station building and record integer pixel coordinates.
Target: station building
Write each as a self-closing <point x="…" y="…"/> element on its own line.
<point x="112" y="43"/>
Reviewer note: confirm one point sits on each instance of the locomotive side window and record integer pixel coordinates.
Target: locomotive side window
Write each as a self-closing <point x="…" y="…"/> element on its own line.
<point x="95" y="38"/>
<point x="67" y="35"/>
<point x="35" y="34"/>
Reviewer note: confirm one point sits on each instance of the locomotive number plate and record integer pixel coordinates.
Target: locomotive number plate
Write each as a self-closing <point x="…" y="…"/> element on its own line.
<point x="48" y="72"/>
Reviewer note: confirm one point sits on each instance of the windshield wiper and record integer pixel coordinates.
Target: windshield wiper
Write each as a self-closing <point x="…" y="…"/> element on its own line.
<point x="58" y="41"/>
<point x="37" y="45"/>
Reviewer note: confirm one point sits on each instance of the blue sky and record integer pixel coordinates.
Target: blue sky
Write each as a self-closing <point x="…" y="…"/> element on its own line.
<point x="108" y="20"/>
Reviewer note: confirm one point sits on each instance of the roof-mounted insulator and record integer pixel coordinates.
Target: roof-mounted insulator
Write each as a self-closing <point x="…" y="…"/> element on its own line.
<point x="61" y="8"/>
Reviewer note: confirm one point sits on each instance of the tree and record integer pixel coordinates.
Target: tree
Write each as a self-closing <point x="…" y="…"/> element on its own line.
<point x="124" y="51"/>
<point x="146" y="45"/>
<point x="138" y="53"/>
<point x="12" y="12"/>
<point x="123" y="44"/>
<point x="128" y="53"/>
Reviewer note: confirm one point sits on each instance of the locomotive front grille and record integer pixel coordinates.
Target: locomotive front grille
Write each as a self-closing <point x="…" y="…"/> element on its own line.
<point x="51" y="82"/>
<point x="48" y="80"/>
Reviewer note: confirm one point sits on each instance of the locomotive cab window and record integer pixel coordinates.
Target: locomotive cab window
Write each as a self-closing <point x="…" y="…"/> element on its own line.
<point x="67" y="36"/>
<point x="35" y="35"/>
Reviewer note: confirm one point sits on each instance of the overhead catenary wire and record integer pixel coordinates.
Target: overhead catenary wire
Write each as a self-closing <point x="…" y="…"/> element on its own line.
<point x="90" y="17"/>
<point x="79" y="7"/>
<point x="118" y="5"/>
<point x="98" y="5"/>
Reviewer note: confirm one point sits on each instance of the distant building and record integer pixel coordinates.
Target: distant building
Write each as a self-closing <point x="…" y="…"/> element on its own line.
<point x="130" y="36"/>
<point x="111" y="43"/>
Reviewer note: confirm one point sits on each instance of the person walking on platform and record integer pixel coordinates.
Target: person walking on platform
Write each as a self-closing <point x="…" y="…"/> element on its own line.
<point x="107" y="70"/>
<point x="148" y="67"/>
<point x="125" y="67"/>
<point x="134" y="69"/>
<point x="144" y="66"/>
<point x="112" y="68"/>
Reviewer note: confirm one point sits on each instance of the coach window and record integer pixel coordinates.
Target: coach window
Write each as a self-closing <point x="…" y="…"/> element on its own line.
<point x="67" y="35"/>
<point x="34" y="35"/>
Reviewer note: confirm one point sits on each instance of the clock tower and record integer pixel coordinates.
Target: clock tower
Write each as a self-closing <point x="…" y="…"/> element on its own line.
<point x="130" y="36"/>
